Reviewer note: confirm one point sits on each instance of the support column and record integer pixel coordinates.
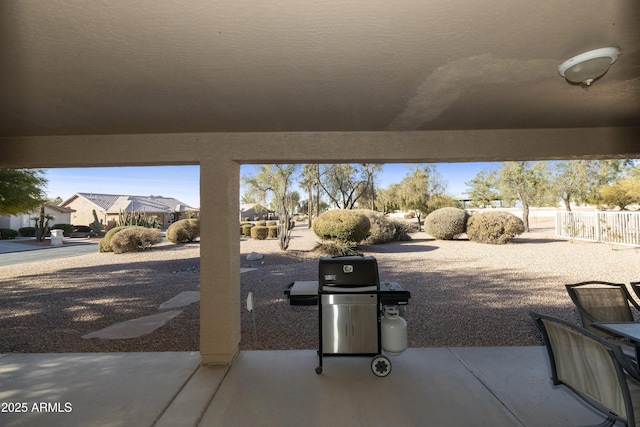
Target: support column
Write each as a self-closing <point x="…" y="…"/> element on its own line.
<point x="219" y="261"/>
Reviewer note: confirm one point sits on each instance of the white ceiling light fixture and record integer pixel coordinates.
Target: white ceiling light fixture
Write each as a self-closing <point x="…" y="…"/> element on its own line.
<point x="588" y="66"/>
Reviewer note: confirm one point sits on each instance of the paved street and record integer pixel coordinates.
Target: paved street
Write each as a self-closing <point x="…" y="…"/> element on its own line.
<point x="13" y="252"/>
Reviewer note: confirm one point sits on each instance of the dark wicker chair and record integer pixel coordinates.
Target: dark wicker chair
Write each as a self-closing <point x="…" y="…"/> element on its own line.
<point x="602" y="302"/>
<point x="636" y="288"/>
<point x="594" y="369"/>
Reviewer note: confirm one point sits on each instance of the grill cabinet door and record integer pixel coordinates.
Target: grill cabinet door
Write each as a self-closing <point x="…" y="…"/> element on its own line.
<point x="364" y="328"/>
<point x="349" y="323"/>
<point x="335" y="328"/>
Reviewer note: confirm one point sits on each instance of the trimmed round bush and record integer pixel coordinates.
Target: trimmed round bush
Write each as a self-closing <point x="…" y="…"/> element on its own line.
<point x="8" y="233"/>
<point x="446" y="223"/>
<point x="259" y="232"/>
<point x="184" y="231"/>
<point x="273" y="231"/>
<point x="136" y="238"/>
<point x="105" y="243"/>
<point x="271" y="223"/>
<point x="381" y="230"/>
<point x="342" y="225"/>
<point x="245" y="229"/>
<point x="494" y="227"/>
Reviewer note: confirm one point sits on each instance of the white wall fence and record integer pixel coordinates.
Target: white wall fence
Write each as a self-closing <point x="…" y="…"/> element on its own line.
<point x="620" y="228"/>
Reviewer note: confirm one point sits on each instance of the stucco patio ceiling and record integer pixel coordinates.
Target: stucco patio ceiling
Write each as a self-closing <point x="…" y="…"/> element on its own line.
<point x="167" y="66"/>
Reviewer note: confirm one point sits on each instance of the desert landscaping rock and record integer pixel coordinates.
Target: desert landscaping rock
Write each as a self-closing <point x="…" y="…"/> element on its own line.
<point x="254" y="256"/>
<point x="462" y="293"/>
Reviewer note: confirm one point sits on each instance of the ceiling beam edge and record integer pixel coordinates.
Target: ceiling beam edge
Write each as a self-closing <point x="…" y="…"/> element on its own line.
<point x="320" y="147"/>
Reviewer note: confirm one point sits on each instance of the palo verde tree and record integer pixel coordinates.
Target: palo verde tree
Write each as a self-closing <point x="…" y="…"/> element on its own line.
<point x="21" y="190"/>
<point x="274" y="182"/>
<point x="527" y="182"/>
<point x="622" y="193"/>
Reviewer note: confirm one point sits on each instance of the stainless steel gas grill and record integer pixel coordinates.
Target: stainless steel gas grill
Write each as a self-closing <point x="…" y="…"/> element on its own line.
<point x="351" y="300"/>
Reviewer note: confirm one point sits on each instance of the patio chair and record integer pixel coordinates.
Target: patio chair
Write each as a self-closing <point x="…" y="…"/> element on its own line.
<point x="602" y="302"/>
<point x="636" y="288"/>
<point x="592" y="368"/>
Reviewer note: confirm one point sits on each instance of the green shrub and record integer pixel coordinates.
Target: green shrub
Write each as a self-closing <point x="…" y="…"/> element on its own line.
<point x="271" y="223"/>
<point x="446" y="223"/>
<point x="259" y="232"/>
<point x="273" y="231"/>
<point x="381" y="230"/>
<point x="67" y="229"/>
<point x="27" y="231"/>
<point x="183" y="231"/>
<point x="261" y="223"/>
<point x="8" y="233"/>
<point x="494" y="227"/>
<point x="245" y="229"/>
<point x="342" y="225"/>
<point x="105" y="243"/>
<point x="135" y="238"/>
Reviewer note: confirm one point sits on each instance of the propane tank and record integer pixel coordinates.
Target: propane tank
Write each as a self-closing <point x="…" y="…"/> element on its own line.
<point x="393" y="331"/>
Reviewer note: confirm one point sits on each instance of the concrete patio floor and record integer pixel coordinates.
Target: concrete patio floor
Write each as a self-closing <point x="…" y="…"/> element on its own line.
<point x="470" y="386"/>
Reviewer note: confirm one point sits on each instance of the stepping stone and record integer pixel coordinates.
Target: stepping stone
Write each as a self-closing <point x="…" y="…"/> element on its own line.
<point x="134" y="328"/>
<point x="182" y="299"/>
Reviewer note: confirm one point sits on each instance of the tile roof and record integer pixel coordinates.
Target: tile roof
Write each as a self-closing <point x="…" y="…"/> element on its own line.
<point x="115" y="203"/>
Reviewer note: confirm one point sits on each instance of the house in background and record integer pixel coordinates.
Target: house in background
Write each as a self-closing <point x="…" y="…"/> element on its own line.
<point x="252" y="211"/>
<point x="108" y="208"/>
<point x="60" y="214"/>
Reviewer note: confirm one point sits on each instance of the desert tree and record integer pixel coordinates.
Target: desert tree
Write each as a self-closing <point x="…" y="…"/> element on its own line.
<point x="580" y="181"/>
<point x="346" y="184"/>
<point x="308" y="180"/>
<point x="483" y="188"/>
<point x="528" y="183"/>
<point x="621" y="194"/>
<point x="21" y="190"/>
<point x="422" y="191"/>
<point x="42" y="223"/>
<point x="274" y="183"/>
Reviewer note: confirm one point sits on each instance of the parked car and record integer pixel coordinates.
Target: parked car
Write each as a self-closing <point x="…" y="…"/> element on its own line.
<point x="82" y="231"/>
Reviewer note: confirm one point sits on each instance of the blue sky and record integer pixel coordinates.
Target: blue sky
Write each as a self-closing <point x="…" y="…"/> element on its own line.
<point x="183" y="182"/>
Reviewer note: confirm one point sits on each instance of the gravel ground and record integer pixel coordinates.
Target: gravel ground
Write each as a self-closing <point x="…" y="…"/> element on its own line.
<point x="463" y="293"/>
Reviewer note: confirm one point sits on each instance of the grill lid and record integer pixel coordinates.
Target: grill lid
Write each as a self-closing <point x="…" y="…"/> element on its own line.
<point x="348" y="271"/>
